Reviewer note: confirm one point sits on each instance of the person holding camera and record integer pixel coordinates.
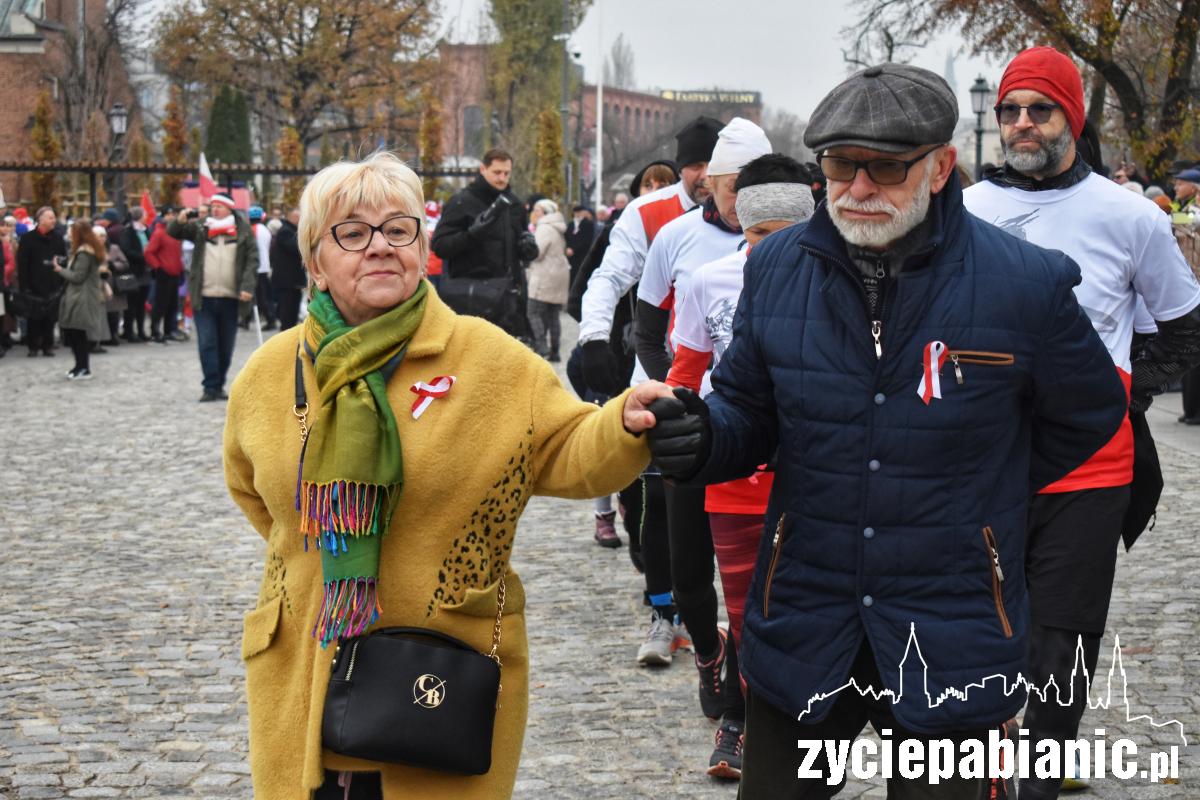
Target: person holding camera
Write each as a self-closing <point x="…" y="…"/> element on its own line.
<point x="37" y="252"/>
<point x="483" y="240"/>
<point x="223" y="274"/>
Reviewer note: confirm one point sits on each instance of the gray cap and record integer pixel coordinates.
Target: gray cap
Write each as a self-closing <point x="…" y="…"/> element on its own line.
<point x="889" y="107"/>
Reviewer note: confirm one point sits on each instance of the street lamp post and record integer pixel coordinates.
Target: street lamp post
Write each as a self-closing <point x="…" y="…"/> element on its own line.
<point x="118" y="120"/>
<point x="980" y="91"/>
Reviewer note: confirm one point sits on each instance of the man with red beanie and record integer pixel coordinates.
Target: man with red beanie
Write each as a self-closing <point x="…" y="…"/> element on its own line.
<point x="1046" y="194"/>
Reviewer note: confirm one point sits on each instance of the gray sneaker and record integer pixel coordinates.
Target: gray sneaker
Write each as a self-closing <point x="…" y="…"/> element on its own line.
<point x="657" y="650"/>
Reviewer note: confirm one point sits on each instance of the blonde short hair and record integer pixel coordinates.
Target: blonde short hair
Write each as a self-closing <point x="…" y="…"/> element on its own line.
<point x="380" y="181"/>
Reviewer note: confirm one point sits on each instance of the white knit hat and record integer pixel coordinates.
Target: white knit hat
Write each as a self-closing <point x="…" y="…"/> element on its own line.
<point x="738" y="143"/>
<point x="222" y="199"/>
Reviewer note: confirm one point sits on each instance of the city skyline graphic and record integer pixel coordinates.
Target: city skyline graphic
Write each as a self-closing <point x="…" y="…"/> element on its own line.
<point x="1104" y="701"/>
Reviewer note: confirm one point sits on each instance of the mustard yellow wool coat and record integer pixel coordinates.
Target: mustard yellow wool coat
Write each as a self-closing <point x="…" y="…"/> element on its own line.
<point x="506" y="431"/>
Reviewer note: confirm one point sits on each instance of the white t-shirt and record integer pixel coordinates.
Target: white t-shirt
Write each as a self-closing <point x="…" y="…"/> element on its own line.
<point x="704" y="308"/>
<point x="681" y="247"/>
<point x="1121" y="241"/>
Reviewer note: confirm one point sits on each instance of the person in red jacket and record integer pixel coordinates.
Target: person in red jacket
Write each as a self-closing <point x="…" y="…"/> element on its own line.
<point x="164" y="256"/>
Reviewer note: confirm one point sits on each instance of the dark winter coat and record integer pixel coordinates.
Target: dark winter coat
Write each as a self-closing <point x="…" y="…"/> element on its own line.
<point x="491" y="253"/>
<point x="287" y="268"/>
<point x="35" y="267"/>
<point x="82" y="305"/>
<point x="889" y="518"/>
<point x="131" y="245"/>
<point x="579" y="239"/>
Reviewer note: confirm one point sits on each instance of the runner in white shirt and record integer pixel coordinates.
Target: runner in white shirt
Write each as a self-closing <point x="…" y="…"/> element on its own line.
<point x="682" y="246"/>
<point x="772" y="193"/>
<point x="1123" y="245"/>
<point x="628" y="243"/>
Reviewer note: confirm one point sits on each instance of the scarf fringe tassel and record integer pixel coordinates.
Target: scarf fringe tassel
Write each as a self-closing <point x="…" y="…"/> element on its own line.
<point x="332" y="511"/>
<point x="349" y="607"/>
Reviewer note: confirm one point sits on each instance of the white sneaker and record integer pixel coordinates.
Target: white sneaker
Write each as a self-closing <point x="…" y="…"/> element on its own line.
<point x="82" y="375"/>
<point x="660" y="644"/>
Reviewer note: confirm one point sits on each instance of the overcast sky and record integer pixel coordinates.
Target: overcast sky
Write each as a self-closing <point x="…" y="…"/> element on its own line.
<point x="790" y="50"/>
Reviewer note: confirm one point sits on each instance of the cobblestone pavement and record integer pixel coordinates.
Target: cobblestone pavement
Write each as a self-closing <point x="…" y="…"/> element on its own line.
<point x="127" y="569"/>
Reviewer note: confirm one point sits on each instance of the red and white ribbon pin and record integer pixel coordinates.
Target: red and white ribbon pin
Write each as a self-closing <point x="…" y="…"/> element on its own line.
<point x="428" y="392"/>
<point x="931" y="362"/>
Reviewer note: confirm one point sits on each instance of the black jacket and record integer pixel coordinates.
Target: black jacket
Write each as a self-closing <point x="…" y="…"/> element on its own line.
<point x="580" y="241"/>
<point x="491" y="253"/>
<point x="35" y="269"/>
<point x="287" y="269"/>
<point x="131" y="246"/>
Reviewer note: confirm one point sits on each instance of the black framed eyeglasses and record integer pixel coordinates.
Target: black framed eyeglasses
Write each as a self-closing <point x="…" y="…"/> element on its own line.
<point x="355" y="236"/>
<point x="1039" y="113"/>
<point x="883" y="171"/>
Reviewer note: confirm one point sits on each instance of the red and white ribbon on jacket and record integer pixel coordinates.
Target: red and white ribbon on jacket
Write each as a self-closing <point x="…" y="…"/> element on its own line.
<point x="428" y="392"/>
<point x="931" y="362"/>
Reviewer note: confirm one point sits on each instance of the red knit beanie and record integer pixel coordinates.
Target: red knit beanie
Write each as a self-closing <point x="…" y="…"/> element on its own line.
<point x="1045" y="70"/>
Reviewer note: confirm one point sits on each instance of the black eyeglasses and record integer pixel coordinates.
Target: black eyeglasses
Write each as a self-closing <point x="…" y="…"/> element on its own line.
<point x="356" y="236"/>
<point x="883" y="171"/>
<point x="1039" y="113"/>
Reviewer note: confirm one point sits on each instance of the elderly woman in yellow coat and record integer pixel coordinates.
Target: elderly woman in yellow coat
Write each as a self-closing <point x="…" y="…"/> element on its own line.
<point x="436" y="429"/>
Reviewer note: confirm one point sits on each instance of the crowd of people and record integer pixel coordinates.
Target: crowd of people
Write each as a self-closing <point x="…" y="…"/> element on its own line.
<point x="96" y="283"/>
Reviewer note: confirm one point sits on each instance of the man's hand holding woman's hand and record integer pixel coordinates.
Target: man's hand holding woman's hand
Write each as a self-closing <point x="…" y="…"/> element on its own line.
<point x="676" y="424"/>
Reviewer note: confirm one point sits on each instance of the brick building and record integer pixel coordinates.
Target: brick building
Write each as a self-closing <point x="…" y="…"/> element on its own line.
<point x="638" y="126"/>
<point x="37" y="51"/>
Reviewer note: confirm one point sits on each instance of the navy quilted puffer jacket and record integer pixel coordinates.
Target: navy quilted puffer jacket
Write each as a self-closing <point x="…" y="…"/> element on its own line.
<point x="890" y="518"/>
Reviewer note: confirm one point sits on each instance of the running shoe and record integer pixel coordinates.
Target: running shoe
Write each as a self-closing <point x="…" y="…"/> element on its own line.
<point x="659" y="647"/>
<point x="726" y="759"/>
<point x="712" y="679"/>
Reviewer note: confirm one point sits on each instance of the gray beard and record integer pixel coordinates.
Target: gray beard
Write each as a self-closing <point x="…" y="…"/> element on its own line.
<point x="881" y="234"/>
<point x="1040" y="161"/>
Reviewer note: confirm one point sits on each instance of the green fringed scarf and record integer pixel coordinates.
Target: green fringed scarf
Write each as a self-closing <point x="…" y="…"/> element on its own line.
<point x="351" y="467"/>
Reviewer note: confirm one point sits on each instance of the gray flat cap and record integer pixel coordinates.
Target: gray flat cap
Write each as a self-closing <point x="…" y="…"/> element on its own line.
<point x="889" y="107"/>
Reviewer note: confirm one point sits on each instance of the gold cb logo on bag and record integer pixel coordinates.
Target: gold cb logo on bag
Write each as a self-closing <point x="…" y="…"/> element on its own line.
<point x="429" y="691"/>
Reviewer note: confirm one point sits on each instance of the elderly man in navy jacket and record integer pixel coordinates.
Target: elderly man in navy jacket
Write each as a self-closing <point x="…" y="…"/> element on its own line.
<point x="916" y="374"/>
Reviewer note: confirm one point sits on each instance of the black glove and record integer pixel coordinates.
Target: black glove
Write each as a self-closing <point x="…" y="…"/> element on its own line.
<point x="1139" y="403"/>
<point x="489" y="215"/>
<point x="527" y="247"/>
<point x="681" y="438"/>
<point x="600" y="370"/>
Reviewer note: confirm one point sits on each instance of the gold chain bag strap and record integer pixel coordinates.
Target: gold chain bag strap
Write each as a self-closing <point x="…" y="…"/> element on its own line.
<point x="408" y="695"/>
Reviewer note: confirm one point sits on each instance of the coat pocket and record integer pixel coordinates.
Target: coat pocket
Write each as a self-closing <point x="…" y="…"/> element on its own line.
<point x="776" y="547"/>
<point x="259" y="628"/>
<point x="993" y="553"/>
<point x="983" y="358"/>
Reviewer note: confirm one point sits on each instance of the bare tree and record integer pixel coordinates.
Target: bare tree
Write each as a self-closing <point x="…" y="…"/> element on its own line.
<point x="786" y="132"/>
<point x="618" y="65"/>
<point x="89" y="69"/>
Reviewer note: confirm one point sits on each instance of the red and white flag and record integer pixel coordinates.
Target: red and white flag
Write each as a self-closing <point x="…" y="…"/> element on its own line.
<point x="931" y="363"/>
<point x="148" y="208"/>
<point x="208" y="187"/>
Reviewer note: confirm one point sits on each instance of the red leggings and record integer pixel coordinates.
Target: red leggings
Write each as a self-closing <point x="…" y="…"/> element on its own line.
<point x="735" y="541"/>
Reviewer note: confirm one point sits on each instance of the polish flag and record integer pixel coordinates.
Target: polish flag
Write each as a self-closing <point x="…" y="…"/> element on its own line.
<point x="208" y="187"/>
<point x="148" y="207"/>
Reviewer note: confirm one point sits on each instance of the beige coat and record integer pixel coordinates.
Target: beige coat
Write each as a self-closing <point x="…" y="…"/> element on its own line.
<point x="506" y="431"/>
<point x="550" y="272"/>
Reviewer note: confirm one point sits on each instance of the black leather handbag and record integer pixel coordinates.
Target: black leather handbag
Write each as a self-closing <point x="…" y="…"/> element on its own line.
<point x="125" y="282"/>
<point x="415" y="696"/>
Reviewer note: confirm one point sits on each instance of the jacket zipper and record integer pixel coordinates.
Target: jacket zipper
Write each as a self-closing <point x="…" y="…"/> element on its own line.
<point x="776" y="545"/>
<point x="984" y="357"/>
<point x="997" y="581"/>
